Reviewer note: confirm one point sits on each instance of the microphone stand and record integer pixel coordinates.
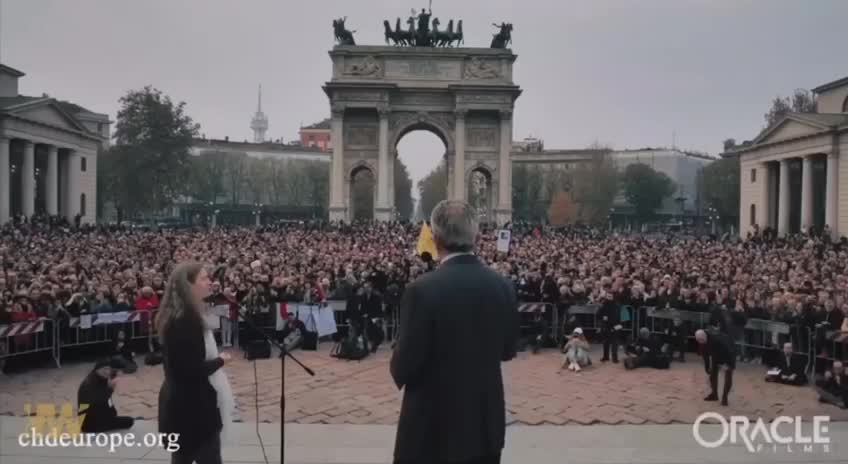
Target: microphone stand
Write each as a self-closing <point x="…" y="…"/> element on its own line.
<point x="283" y="351"/>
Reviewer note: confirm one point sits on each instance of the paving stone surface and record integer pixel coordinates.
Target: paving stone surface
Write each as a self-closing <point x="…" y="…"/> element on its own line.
<point x="362" y="392"/>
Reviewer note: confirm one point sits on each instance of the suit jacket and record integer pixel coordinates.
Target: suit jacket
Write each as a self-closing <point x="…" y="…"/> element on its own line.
<point x="188" y="404"/>
<point x="371" y="306"/>
<point x="611" y="311"/>
<point x="458" y="324"/>
<point x="797" y="364"/>
<point x="720" y="350"/>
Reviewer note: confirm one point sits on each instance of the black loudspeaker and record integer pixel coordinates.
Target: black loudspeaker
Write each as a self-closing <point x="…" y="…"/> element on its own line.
<point x="258" y="349"/>
<point x="310" y="341"/>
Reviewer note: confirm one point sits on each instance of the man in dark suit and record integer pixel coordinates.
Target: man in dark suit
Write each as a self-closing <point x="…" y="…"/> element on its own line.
<point x="609" y="317"/>
<point x="371" y="310"/>
<point x="833" y="388"/>
<point x="789" y="368"/>
<point x="458" y="324"/>
<point x="719" y="352"/>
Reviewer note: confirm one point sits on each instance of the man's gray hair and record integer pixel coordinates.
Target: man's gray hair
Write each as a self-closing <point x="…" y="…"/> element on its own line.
<point x="454" y="225"/>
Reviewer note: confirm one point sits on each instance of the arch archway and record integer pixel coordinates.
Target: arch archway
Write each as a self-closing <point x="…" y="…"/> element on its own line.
<point x="422" y="151"/>
<point x="481" y="192"/>
<point x="362" y="192"/>
<point x="379" y="94"/>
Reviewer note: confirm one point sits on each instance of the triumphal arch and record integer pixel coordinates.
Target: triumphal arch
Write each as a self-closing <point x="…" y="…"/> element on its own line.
<point x="463" y="95"/>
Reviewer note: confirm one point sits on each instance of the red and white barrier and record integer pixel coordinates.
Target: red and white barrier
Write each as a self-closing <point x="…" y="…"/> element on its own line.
<point x="21" y="328"/>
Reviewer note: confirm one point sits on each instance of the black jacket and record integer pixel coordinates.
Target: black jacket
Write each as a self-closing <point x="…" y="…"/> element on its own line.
<point x="96" y="393"/>
<point x="720" y="350"/>
<point x="612" y="313"/>
<point x="458" y="324"/>
<point x="797" y="365"/>
<point x="188" y="404"/>
<point x="371" y="305"/>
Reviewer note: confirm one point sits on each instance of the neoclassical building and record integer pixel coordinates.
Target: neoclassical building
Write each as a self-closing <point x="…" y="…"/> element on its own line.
<point x="795" y="174"/>
<point x="48" y="154"/>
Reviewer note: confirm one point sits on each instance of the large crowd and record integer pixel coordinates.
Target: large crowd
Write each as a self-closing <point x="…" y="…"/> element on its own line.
<point x="57" y="270"/>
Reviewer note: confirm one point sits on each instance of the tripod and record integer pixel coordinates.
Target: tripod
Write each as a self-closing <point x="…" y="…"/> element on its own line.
<point x="283" y="351"/>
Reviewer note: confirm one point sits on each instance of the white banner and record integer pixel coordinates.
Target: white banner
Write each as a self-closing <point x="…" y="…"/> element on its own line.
<point x="85" y="321"/>
<point x="504" y="235"/>
<point x="213" y="321"/>
<point x="326" y="321"/>
<point x="221" y="310"/>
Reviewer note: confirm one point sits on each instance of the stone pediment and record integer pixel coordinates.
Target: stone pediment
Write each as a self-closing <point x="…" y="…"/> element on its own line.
<point x="50" y="114"/>
<point x="789" y="128"/>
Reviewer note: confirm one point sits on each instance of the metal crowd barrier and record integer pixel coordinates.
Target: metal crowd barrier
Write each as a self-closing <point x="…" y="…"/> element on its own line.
<point x="760" y="336"/>
<point x="391" y="323"/>
<point x="583" y="314"/>
<point x="538" y="312"/>
<point x="98" y="328"/>
<point x="836" y="343"/>
<point x="27" y="337"/>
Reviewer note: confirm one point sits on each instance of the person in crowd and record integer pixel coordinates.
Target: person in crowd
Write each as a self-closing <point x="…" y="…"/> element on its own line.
<point x="789" y="367"/>
<point x="646" y="351"/>
<point x="94" y="399"/>
<point x="576" y="351"/>
<point x="719" y="353"/>
<point x="608" y="316"/>
<point x="453" y="407"/>
<point x="675" y="340"/>
<point x="833" y="387"/>
<point x="147" y="299"/>
<point x="371" y="311"/>
<point x="195" y="400"/>
<point x="122" y="350"/>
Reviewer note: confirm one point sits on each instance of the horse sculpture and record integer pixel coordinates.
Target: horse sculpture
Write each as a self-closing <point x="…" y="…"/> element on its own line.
<point x="504" y="37"/>
<point x="441" y="38"/>
<point x="342" y="35"/>
<point x="398" y="36"/>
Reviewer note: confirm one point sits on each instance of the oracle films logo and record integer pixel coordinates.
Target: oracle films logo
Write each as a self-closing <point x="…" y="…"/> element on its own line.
<point x="761" y="435"/>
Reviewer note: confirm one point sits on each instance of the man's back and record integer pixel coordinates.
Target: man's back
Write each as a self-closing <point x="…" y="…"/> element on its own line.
<point x="457" y="325"/>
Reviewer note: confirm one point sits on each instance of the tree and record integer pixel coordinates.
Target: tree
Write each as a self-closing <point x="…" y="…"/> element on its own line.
<point x="595" y="186"/>
<point x="206" y="176"/>
<point x="317" y="177"/>
<point x="718" y="187"/>
<point x="528" y="184"/>
<point x="646" y="189"/>
<point x="562" y="209"/>
<point x="800" y="102"/>
<point x="403" y="190"/>
<point x="153" y="137"/>
<point x="433" y="188"/>
<point x="729" y="144"/>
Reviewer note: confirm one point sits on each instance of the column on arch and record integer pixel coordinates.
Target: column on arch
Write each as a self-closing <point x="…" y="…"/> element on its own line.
<point x="383" y="204"/>
<point x="337" y="180"/>
<point x="458" y="189"/>
<point x="504" y="210"/>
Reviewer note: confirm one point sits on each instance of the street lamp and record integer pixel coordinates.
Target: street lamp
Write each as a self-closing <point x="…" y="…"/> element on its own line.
<point x="611" y="212"/>
<point x="257" y="214"/>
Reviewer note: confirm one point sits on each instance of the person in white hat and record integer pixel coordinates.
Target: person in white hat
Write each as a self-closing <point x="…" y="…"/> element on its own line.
<point x="576" y="351"/>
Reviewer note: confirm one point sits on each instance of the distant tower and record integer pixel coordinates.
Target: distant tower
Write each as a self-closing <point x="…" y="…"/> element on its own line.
<point x="259" y="123"/>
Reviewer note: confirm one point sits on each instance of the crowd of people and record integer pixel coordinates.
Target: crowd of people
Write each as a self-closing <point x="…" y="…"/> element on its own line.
<point x="55" y="270"/>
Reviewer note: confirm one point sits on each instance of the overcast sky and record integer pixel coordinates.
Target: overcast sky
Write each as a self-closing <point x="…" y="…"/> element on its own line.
<point x="625" y="73"/>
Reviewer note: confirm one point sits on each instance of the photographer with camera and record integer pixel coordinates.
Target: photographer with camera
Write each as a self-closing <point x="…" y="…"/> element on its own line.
<point x="94" y="398"/>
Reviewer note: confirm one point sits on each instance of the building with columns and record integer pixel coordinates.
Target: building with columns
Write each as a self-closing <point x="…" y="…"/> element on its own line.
<point x="794" y="175"/>
<point x="48" y="154"/>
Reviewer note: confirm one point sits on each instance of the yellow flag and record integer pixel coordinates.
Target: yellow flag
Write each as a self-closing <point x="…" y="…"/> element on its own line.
<point x="425" y="242"/>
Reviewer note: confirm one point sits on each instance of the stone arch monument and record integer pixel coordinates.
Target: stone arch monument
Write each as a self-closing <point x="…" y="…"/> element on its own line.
<point x="378" y="94"/>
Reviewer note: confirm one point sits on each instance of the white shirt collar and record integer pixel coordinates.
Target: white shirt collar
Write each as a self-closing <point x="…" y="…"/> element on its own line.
<point x="451" y="256"/>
